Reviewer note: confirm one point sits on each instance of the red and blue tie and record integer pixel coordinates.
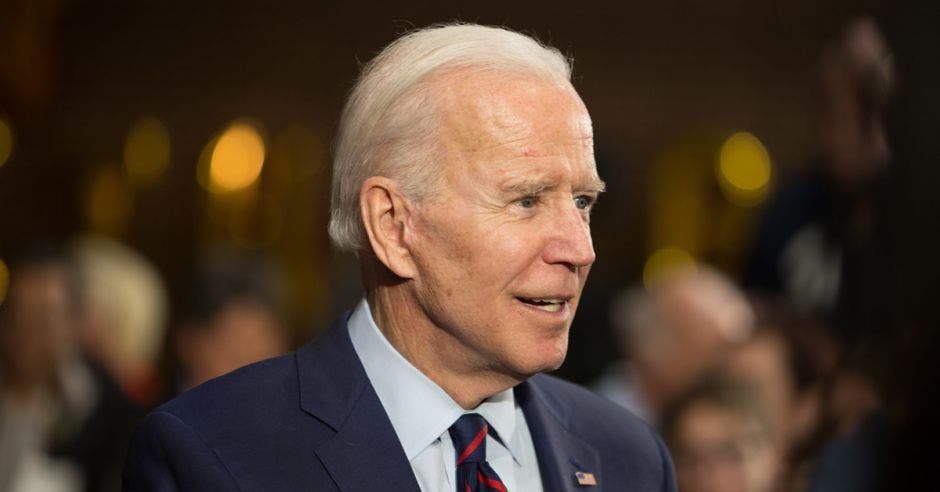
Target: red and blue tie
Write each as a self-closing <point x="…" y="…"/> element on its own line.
<point x="474" y="474"/>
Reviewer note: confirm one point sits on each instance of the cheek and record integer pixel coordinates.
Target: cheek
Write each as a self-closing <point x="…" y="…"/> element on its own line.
<point x="506" y="251"/>
<point x="583" y="274"/>
<point x="440" y="239"/>
<point x="464" y="250"/>
<point x="444" y="265"/>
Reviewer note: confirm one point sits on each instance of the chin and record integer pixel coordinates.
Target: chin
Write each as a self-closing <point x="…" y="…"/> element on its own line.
<point x="546" y="358"/>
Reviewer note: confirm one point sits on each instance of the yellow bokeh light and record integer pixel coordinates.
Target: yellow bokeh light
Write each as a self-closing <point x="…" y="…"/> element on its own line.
<point x="146" y="151"/>
<point x="235" y="159"/>
<point x="108" y="202"/>
<point x="744" y="170"/>
<point x="4" y="280"/>
<point x="202" y="166"/>
<point x="6" y="141"/>
<point x="664" y="261"/>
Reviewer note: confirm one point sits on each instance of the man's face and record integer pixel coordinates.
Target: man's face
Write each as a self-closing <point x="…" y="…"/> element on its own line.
<point x="242" y="332"/>
<point x="503" y="249"/>
<point x="38" y="324"/>
<point x="718" y="450"/>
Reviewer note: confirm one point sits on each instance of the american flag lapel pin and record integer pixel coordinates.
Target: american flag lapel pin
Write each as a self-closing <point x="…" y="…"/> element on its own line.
<point x="585" y="478"/>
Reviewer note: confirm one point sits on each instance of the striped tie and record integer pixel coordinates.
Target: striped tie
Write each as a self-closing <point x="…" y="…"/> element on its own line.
<point x="474" y="474"/>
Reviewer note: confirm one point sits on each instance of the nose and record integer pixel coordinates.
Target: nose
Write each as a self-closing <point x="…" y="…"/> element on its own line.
<point x="570" y="241"/>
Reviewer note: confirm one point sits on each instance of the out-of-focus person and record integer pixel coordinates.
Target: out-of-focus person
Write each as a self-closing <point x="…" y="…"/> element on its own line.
<point x="231" y="320"/>
<point x="816" y="244"/>
<point x="854" y="428"/>
<point x="671" y="335"/>
<point x="786" y="360"/>
<point x="64" y="423"/>
<point x="125" y="314"/>
<point x="722" y="438"/>
<point x="822" y="246"/>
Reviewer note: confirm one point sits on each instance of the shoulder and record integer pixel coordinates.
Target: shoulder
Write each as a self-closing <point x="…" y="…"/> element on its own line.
<point x="240" y="399"/>
<point x="236" y="431"/>
<point x="190" y="441"/>
<point x="270" y="381"/>
<point x="254" y="404"/>
<point x="167" y="454"/>
<point x="582" y="406"/>
<point x="616" y="433"/>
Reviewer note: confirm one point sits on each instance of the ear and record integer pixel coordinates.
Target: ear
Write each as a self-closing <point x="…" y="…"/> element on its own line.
<point x="385" y="215"/>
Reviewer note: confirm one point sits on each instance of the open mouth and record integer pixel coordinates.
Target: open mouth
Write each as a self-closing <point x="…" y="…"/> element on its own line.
<point x="548" y="305"/>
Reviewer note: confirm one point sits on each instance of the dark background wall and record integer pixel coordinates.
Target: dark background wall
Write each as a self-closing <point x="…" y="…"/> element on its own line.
<point x="656" y="77"/>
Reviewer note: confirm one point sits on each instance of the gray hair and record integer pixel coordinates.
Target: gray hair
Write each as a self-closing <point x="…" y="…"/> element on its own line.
<point x="388" y="124"/>
<point x="636" y="314"/>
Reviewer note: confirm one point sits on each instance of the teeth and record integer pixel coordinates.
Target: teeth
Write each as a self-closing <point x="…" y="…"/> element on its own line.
<point x="549" y="305"/>
<point x="552" y="307"/>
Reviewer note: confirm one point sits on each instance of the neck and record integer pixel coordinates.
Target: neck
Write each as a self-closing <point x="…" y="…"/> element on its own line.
<point x="433" y="350"/>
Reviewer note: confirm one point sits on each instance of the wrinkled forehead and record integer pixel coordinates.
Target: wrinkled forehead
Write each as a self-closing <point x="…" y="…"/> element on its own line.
<point x="483" y="108"/>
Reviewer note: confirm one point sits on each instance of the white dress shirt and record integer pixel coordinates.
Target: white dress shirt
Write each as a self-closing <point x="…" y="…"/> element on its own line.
<point x="421" y="413"/>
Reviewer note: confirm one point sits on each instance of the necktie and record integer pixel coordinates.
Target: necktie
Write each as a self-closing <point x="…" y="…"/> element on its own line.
<point x="474" y="474"/>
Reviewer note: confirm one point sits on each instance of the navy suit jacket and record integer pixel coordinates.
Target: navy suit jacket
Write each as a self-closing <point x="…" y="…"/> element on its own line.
<point x="312" y="421"/>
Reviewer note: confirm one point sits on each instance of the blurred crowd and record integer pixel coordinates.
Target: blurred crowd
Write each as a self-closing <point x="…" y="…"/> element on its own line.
<point x="85" y="350"/>
<point x="762" y="381"/>
<point x="749" y="393"/>
<point x="767" y="383"/>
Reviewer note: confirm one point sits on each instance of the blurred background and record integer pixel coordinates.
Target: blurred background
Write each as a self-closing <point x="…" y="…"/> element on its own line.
<point x="765" y="288"/>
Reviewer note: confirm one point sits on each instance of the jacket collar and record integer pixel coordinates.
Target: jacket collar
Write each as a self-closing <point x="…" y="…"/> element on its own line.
<point x="561" y="451"/>
<point x="364" y="454"/>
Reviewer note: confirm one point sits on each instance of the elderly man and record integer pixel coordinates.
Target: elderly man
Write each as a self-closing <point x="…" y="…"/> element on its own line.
<point x="463" y="180"/>
<point x="671" y="335"/>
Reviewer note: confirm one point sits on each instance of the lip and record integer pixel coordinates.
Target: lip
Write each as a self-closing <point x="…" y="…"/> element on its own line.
<point x="561" y="296"/>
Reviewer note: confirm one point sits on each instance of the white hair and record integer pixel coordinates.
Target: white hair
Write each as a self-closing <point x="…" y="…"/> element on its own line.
<point x="126" y="297"/>
<point x="389" y="122"/>
<point x="718" y="303"/>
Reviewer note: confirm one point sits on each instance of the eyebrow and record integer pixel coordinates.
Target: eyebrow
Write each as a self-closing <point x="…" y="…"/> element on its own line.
<point x="528" y="187"/>
<point x="597" y="185"/>
<point x="534" y="187"/>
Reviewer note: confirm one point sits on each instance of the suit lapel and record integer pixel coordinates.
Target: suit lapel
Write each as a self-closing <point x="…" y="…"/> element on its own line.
<point x="365" y="453"/>
<point x="560" y="452"/>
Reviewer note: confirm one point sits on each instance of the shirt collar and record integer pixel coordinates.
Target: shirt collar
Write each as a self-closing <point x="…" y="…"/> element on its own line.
<point x="420" y="411"/>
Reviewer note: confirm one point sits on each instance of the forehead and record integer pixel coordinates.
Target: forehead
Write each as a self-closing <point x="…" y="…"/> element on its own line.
<point x="489" y="107"/>
<point x="707" y="420"/>
<point x="514" y="125"/>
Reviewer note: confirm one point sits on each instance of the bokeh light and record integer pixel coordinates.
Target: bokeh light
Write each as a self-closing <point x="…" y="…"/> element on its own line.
<point x="108" y="202"/>
<point x="744" y="170"/>
<point x="6" y="141"/>
<point x="146" y="151"/>
<point x="234" y="160"/>
<point x="4" y="280"/>
<point x="202" y="165"/>
<point x="664" y="261"/>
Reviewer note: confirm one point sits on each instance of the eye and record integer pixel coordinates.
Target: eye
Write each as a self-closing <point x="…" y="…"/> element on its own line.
<point x="583" y="202"/>
<point x="528" y="202"/>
